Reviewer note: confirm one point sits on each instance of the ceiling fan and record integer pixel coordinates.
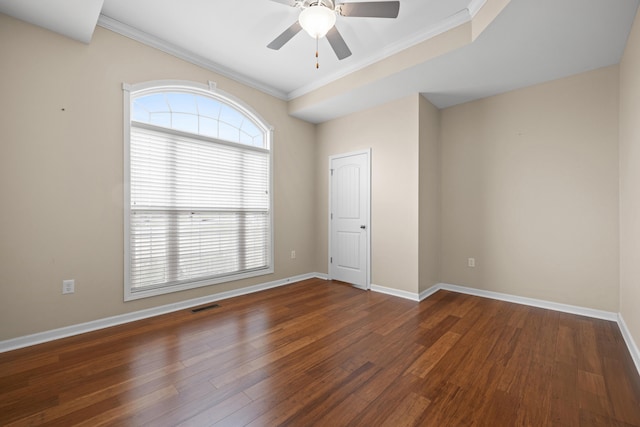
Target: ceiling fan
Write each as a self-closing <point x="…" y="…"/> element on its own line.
<point x="318" y="18"/>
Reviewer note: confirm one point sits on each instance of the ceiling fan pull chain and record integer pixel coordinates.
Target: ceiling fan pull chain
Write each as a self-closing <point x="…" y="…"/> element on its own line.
<point x="317" y="64"/>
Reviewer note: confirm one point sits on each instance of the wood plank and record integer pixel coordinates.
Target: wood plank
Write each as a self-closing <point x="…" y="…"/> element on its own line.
<point x="215" y="413"/>
<point x="325" y="353"/>
<point x="408" y="413"/>
<point x="425" y="363"/>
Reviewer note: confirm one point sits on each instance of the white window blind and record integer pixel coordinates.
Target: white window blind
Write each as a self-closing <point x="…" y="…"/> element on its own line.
<point x="199" y="208"/>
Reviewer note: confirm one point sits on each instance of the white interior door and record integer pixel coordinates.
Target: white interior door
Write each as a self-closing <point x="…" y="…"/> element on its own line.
<point x="349" y="205"/>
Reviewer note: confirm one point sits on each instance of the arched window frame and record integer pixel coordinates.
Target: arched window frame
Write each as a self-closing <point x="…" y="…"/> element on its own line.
<point x="133" y="91"/>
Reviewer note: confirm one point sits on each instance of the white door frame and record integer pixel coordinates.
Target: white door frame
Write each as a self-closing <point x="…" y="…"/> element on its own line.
<point x="367" y="214"/>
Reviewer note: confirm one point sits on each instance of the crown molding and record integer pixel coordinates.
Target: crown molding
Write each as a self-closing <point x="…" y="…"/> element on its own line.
<point x="475" y="6"/>
<point x="461" y="17"/>
<point x="166" y="47"/>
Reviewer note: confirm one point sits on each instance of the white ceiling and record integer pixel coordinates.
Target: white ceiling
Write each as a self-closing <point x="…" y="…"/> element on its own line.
<point x="531" y="41"/>
<point x="72" y="18"/>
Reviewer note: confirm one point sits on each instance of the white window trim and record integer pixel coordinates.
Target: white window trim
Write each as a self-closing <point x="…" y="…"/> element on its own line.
<point x="212" y="91"/>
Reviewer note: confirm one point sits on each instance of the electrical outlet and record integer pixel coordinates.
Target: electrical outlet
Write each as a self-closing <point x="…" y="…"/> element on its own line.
<point x="68" y="286"/>
<point x="293" y="254"/>
<point x="471" y="262"/>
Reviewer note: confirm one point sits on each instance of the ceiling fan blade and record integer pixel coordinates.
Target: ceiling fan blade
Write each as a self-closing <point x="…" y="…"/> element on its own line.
<point x="338" y="44"/>
<point x="291" y="3"/>
<point x="280" y="41"/>
<point x="370" y="9"/>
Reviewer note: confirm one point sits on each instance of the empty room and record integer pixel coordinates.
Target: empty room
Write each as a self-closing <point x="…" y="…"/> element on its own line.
<point x="314" y="212"/>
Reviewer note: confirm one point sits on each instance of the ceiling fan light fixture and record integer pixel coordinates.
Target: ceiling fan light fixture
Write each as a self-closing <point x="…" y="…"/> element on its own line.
<point x="317" y="20"/>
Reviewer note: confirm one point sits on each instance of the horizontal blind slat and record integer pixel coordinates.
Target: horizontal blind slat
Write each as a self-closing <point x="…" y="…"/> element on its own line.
<point x="198" y="209"/>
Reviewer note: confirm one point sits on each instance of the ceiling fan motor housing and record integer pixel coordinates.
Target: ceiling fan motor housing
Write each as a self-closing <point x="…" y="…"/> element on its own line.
<point x="318" y="18"/>
<point x="326" y="3"/>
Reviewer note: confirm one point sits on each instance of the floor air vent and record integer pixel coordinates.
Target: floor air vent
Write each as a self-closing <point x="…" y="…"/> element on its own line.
<point x="206" y="307"/>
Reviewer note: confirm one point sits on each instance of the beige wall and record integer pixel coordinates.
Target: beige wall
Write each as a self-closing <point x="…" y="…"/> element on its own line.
<point x="525" y="182"/>
<point x="391" y="131"/>
<point x="630" y="182"/>
<point x="61" y="175"/>
<point x="529" y="188"/>
<point x="429" y="193"/>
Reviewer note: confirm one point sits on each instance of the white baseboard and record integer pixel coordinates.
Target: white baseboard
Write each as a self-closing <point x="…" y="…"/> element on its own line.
<point x="582" y="311"/>
<point x="565" y="308"/>
<point x="549" y="305"/>
<point x="395" y="292"/>
<point x="628" y="339"/>
<point x="428" y="292"/>
<point x="41" y="337"/>
<point x="556" y="306"/>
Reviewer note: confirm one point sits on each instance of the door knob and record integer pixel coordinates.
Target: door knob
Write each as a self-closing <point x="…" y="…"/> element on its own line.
<point x="363" y="226"/>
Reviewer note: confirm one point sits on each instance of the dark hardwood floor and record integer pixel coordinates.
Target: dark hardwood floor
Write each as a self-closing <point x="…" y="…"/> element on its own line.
<point x="324" y="353"/>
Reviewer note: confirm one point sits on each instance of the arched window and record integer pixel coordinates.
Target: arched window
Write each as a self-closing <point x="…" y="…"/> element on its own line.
<point x="198" y="180"/>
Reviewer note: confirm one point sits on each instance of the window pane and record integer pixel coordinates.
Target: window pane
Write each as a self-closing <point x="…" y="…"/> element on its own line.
<point x="228" y="133"/>
<point x="155" y="103"/>
<point x="232" y="117"/>
<point x="245" y="139"/>
<point x="139" y="113"/>
<point x="250" y="128"/>
<point x="160" y="119"/>
<point x="182" y="103"/>
<point x="208" y="127"/>
<point x="185" y="122"/>
<point x="196" y="114"/>
<point x="208" y="107"/>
